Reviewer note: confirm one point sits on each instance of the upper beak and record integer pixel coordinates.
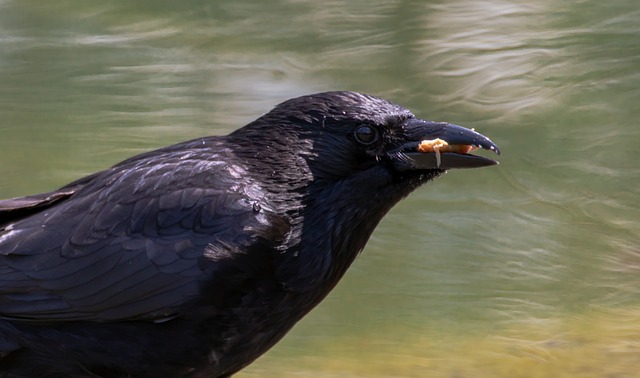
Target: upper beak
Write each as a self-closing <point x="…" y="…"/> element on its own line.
<point x="439" y="145"/>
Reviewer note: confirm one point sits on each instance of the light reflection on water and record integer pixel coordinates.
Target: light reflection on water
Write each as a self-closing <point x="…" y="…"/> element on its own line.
<point x="533" y="263"/>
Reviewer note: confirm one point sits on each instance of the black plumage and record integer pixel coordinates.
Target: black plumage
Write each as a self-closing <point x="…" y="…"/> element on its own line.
<point x="194" y="259"/>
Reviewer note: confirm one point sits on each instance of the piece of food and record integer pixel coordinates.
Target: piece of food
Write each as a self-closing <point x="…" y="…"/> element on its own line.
<point x="439" y="145"/>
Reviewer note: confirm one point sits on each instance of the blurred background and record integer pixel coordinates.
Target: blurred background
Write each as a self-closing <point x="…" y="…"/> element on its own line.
<point x="527" y="269"/>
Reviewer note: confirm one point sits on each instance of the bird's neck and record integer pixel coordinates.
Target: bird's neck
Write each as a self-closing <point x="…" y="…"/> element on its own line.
<point x="335" y="222"/>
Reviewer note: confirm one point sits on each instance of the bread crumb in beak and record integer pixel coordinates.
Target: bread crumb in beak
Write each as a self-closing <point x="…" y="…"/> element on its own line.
<point x="439" y="145"/>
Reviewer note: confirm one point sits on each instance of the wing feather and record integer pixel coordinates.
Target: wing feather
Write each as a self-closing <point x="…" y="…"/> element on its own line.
<point x="129" y="243"/>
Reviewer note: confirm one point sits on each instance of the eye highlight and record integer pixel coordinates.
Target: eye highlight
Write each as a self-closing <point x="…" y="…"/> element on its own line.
<point x="366" y="135"/>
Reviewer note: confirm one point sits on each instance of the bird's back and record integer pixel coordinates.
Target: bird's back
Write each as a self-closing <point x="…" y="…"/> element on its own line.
<point x="135" y="255"/>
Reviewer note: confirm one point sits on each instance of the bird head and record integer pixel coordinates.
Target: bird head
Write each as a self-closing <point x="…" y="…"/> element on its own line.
<point x="341" y="134"/>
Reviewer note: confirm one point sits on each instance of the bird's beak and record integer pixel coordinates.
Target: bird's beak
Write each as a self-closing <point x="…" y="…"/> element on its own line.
<point x="438" y="145"/>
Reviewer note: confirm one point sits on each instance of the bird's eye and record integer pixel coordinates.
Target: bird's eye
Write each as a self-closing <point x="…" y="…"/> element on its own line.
<point x="366" y="135"/>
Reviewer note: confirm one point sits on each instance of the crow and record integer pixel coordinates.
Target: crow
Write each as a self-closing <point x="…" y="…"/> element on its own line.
<point x="194" y="259"/>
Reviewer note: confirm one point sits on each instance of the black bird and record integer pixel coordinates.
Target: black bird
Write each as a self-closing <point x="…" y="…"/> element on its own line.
<point x="195" y="259"/>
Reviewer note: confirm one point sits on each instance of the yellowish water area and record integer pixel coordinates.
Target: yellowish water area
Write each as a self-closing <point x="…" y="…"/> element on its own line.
<point x="601" y="343"/>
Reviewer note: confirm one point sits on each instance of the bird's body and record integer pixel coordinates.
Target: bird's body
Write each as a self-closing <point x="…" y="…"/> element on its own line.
<point x="195" y="259"/>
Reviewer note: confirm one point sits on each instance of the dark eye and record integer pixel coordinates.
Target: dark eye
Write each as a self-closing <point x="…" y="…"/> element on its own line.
<point x="366" y="135"/>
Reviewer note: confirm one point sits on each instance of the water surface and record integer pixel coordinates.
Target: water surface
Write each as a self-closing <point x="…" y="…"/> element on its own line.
<point x="528" y="269"/>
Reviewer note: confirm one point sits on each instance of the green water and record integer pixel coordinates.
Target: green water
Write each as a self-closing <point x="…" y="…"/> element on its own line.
<point x="528" y="269"/>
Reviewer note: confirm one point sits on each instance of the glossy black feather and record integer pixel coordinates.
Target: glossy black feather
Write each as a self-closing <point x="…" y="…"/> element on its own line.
<point x="194" y="259"/>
